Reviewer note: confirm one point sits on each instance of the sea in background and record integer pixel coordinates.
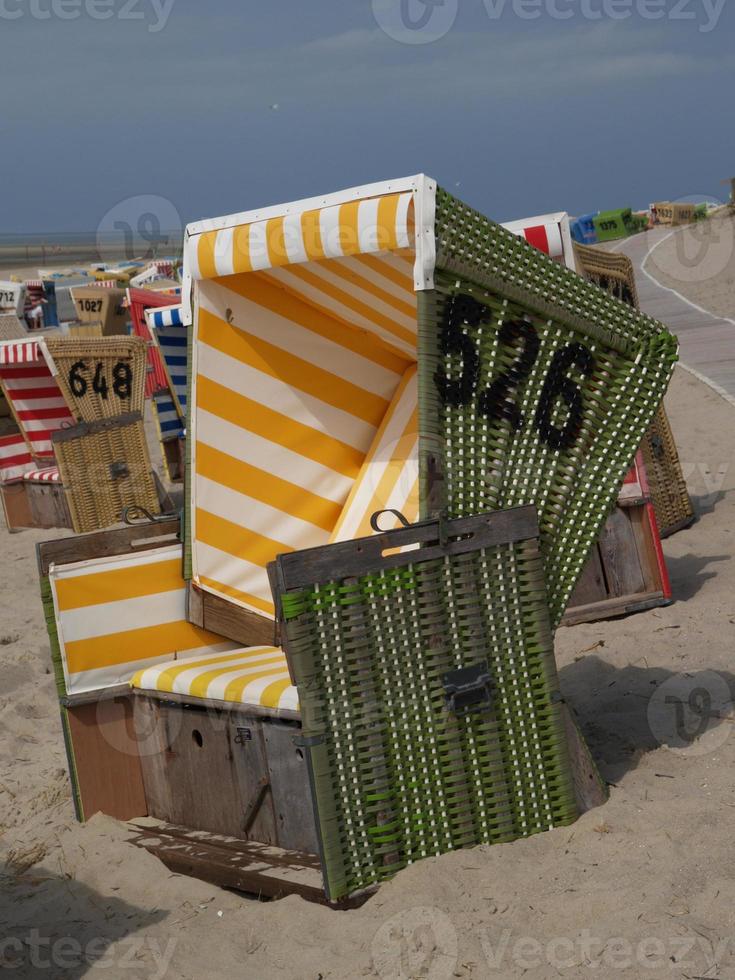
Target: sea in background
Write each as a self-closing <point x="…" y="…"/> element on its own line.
<point x="19" y="250"/>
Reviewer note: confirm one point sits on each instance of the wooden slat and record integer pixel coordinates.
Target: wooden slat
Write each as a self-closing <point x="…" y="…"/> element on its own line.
<point x="590" y="790"/>
<point x="106" y="759"/>
<point x="591" y="586"/>
<point x="229" y="620"/>
<point x="345" y="559"/>
<point x="620" y="558"/>
<point x="610" y="608"/>
<point x="104" y="544"/>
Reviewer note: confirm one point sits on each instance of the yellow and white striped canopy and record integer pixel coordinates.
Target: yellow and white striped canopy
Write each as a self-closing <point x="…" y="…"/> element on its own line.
<point x="117" y="615"/>
<point x="303" y="416"/>
<point x="361" y="227"/>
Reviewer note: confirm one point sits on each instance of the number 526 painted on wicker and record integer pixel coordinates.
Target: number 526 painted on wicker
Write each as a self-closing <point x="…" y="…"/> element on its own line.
<point x="496" y="401"/>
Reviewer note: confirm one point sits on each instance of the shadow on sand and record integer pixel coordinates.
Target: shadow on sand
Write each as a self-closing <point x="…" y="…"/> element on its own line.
<point x="51" y="926"/>
<point x="626" y="712"/>
<point x="688" y="573"/>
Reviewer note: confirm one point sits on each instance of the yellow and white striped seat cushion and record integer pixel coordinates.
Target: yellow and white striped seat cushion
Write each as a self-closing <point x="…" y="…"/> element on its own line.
<point x="119" y="614"/>
<point x="256" y="676"/>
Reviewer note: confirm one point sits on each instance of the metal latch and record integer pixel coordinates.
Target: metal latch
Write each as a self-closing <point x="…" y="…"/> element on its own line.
<point x="469" y="689"/>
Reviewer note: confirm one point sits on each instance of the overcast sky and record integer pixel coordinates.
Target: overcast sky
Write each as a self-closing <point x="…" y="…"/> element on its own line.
<point x="516" y="116"/>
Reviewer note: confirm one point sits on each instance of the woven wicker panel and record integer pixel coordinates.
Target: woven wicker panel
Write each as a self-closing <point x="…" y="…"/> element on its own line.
<point x="11" y="328"/>
<point x="49" y="615"/>
<point x="399" y="772"/>
<point x="536" y="387"/>
<point x="669" y="492"/>
<point x="610" y="271"/>
<point x="105" y="468"/>
<point x="100" y="377"/>
<point x="671" y="500"/>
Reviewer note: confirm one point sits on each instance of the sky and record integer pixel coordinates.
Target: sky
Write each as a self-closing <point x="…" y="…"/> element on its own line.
<point x="190" y="110"/>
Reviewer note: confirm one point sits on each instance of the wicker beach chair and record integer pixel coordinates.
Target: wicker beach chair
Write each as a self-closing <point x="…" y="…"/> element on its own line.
<point x="549" y="233"/>
<point x="169" y="339"/>
<point x="388" y="348"/>
<point x="33" y="497"/>
<point x="671" y="501"/>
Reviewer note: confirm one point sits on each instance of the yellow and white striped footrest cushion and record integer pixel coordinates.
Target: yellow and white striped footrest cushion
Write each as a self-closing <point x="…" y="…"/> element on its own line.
<point x="254" y="677"/>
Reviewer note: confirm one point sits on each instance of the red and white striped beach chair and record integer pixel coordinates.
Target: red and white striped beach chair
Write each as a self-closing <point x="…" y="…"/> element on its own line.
<point x="29" y="481"/>
<point x="34" y="397"/>
<point x="550" y="233"/>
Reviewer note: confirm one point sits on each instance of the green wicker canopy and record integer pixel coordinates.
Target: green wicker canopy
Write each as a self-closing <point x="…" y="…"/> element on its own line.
<point x="535" y="387"/>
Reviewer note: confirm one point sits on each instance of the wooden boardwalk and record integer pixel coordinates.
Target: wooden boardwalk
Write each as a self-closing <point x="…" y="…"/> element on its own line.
<point x="707" y="341"/>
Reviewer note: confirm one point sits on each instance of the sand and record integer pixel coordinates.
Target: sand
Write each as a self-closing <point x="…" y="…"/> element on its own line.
<point x="698" y="261"/>
<point x="644" y="886"/>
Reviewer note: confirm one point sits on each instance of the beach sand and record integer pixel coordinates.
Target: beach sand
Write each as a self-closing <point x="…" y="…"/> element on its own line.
<point x="643" y="886"/>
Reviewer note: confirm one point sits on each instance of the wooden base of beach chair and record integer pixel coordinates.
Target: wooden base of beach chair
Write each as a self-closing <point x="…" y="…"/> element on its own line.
<point x="626" y="572"/>
<point x="225" y="770"/>
<point x="103" y="757"/>
<point x="250" y="866"/>
<point x="16" y="506"/>
<point x="48" y="505"/>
